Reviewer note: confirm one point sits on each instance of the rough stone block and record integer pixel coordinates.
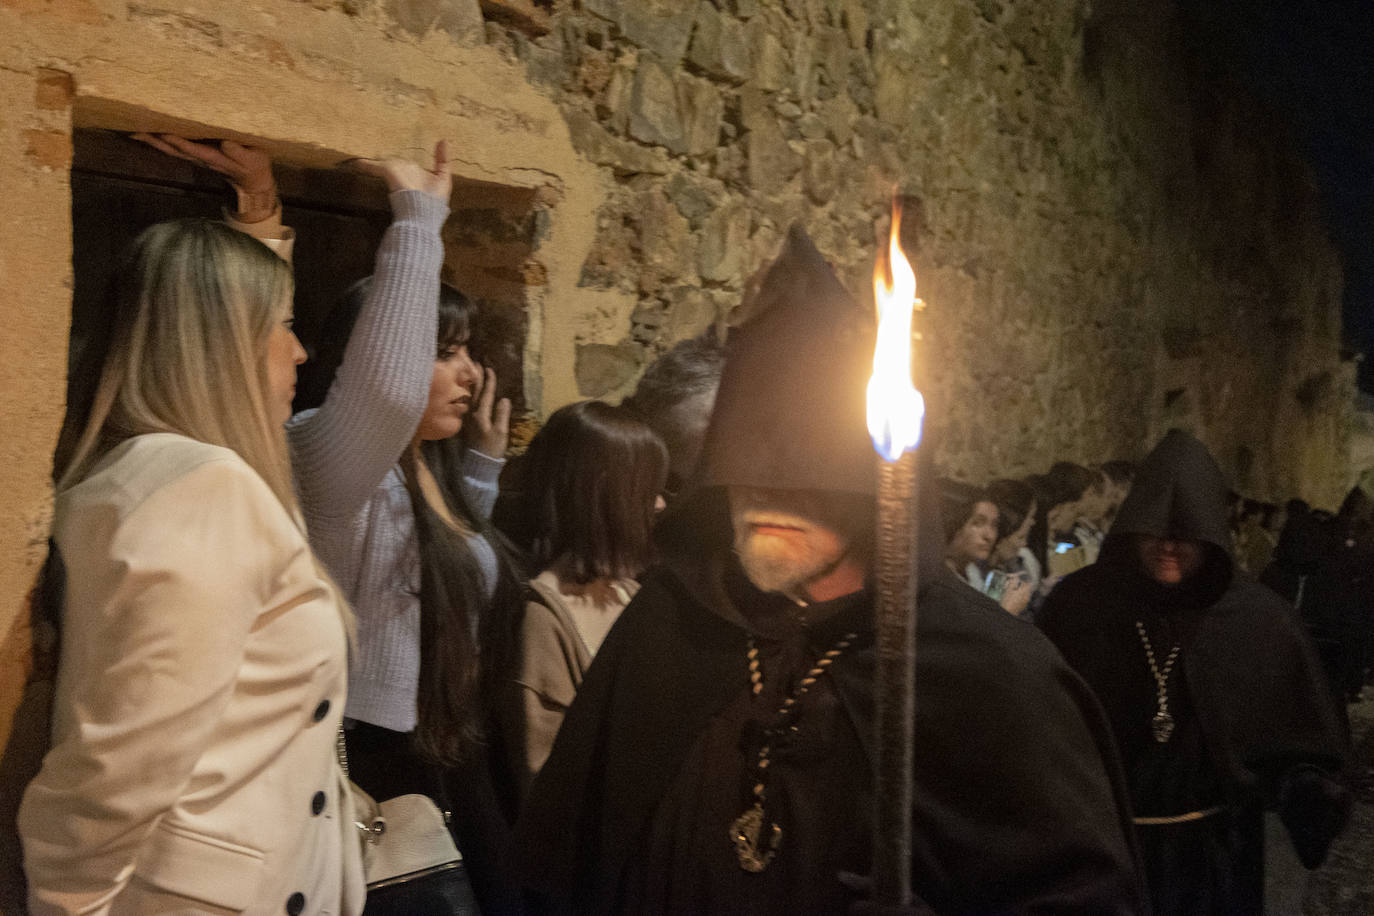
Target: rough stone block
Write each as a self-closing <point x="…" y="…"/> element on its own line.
<point x="724" y="243"/>
<point x="654" y="113"/>
<point x="600" y="146"/>
<point x="772" y="162"/>
<point x="811" y="126"/>
<point x="731" y="165"/>
<point x="892" y="95"/>
<point x="821" y="176"/>
<point x="702" y="109"/>
<point x="613" y="105"/>
<point x="666" y="246"/>
<point x="690" y="311"/>
<point x="594" y="71"/>
<point x="771" y="70"/>
<point x="602" y="368"/>
<point x="694" y="197"/>
<point x="661" y="26"/>
<point x="647" y="322"/>
<point x="544" y="65"/>
<point x="855" y="19"/>
<point x="610" y="262"/>
<point x="832" y="55"/>
<point x="720" y="46"/>
<point x="839" y="115"/>
<point x="608" y="10"/>
<point x="754" y="106"/>
<point x="804" y="66"/>
<point x="463" y="20"/>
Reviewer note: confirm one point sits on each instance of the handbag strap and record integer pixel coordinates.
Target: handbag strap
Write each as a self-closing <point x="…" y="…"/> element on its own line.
<point x="441" y="789"/>
<point x="341" y="751"/>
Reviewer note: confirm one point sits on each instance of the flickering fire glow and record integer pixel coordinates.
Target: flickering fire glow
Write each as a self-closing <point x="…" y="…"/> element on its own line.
<point x="896" y="409"/>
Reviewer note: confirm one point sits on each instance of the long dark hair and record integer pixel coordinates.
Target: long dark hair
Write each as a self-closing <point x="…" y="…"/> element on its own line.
<point x="1037" y="539"/>
<point x="957" y="502"/>
<point x="594" y="472"/>
<point x="1066" y="482"/>
<point x="1014" y="501"/>
<point x="464" y="636"/>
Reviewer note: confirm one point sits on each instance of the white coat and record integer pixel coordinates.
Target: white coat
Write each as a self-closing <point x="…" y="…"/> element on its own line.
<point x="199" y="694"/>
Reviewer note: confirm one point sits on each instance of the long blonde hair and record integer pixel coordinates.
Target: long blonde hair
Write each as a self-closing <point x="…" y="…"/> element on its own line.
<point x="194" y="304"/>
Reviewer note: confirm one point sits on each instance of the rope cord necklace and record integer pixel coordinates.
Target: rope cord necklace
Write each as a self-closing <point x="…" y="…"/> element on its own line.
<point x="1163" y="722"/>
<point x="756" y="840"/>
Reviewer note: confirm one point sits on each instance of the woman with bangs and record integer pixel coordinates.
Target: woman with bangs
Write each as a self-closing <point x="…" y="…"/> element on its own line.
<point x="203" y="660"/>
<point x="398" y="506"/>
<point x="594" y="478"/>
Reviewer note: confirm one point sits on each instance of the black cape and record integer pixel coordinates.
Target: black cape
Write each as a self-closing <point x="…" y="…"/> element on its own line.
<point x="1019" y="805"/>
<point x="1256" y="725"/>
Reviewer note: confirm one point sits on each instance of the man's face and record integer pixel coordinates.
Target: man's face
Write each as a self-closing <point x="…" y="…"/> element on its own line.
<point x="787" y="539"/>
<point x="1168" y="561"/>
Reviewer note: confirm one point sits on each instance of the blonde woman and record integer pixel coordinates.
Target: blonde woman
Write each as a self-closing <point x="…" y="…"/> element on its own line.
<point x="396" y="503"/>
<point x="204" y="659"/>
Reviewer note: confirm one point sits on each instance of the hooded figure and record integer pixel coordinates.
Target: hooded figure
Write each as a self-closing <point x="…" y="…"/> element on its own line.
<point x="1338" y="595"/>
<point x="718" y="756"/>
<point x="1214" y="694"/>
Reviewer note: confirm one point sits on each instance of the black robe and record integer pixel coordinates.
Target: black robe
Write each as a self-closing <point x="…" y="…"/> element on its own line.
<point x="1019" y="806"/>
<point x="1255" y="724"/>
<point x="1019" y="801"/>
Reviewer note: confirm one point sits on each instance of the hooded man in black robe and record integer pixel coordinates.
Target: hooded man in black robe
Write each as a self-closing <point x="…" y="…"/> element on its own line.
<point x="718" y="758"/>
<point x="1214" y="693"/>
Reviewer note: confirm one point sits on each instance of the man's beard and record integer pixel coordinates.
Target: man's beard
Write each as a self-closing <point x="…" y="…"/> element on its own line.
<point x="771" y="567"/>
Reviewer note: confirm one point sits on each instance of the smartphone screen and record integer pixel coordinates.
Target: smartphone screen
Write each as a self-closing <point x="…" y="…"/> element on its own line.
<point x="995" y="585"/>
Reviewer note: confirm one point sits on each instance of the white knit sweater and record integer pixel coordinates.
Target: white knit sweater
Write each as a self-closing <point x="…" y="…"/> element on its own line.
<point x="345" y="456"/>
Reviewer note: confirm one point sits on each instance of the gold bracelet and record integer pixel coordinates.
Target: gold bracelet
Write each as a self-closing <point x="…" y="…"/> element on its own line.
<point x="251" y="202"/>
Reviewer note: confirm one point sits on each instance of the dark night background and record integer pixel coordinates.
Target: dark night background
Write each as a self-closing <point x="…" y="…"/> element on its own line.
<point x="1312" y="63"/>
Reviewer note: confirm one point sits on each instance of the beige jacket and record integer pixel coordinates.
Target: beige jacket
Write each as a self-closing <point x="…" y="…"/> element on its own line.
<point x="199" y="694"/>
<point x="559" y="634"/>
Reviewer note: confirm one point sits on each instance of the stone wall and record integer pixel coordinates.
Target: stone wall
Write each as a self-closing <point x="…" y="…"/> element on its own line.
<point x="1110" y="241"/>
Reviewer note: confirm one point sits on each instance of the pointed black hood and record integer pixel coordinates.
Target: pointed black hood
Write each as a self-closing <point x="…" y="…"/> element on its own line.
<point x="790" y="413"/>
<point x="1179" y="492"/>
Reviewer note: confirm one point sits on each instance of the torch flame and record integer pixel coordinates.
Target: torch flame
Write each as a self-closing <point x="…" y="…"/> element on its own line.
<point x="895" y="408"/>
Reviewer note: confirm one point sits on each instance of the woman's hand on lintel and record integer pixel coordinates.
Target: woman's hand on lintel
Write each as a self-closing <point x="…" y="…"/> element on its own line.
<point x="404" y="175"/>
<point x="248" y="168"/>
